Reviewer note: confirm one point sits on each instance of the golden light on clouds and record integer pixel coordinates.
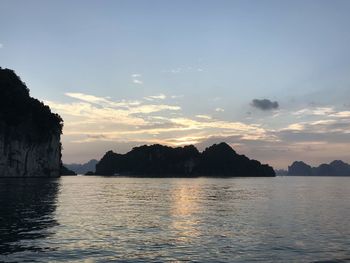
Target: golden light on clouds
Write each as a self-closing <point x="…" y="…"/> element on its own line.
<point x="93" y="118"/>
<point x="102" y="122"/>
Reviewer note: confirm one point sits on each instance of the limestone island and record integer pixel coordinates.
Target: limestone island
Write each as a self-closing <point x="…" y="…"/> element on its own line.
<point x="334" y="168"/>
<point x="30" y="133"/>
<point x="218" y="160"/>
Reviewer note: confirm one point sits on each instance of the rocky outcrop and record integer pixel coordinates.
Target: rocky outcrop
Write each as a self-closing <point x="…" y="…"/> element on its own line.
<point x="29" y="132"/>
<point x="335" y="168"/>
<point x="163" y="161"/>
<point x="299" y="168"/>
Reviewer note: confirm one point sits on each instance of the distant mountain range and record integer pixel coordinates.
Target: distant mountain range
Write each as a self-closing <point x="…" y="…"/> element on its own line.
<point x="163" y="161"/>
<point x="90" y="166"/>
<point x="335" y="168"/>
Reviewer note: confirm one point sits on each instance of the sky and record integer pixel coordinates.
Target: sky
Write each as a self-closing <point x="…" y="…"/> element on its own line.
<point x="271" y="78"/>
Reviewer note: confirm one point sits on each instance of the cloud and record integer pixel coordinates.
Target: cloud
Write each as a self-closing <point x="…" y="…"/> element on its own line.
<point x="317" y="111"/>
<point x="156" y="97"/>
<point x="202" y="116"/>
<point x="100" y="113"/>
<point x="341" y="114"/>
<point x="95" y="120"/>
<point x="323" y="111"/>
<point x="137" y="81"/>
<point x="91" y="118"/>
<point x="264" y="104"/>
<point x="176" y="96"/>
<point x="101" y="100"/>
<point x="1" y="45"/>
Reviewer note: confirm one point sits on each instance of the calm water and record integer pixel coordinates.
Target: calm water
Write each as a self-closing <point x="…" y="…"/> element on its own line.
<point x="97" y="219"/>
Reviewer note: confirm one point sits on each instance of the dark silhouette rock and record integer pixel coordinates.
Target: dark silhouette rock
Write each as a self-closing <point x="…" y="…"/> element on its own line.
<point x="300" y="168"/>
<point x="335" y="168"/>
<point x="65" y="171"/>
<point x="222" y="160"/>
<point x="110" y="163"/>
<point x="90" y="173"/>
<point x="323" y="170"/>
<point x="90" y="166"/>
<point x="29" y="132"/>
<point x="340" y="168"/>
<point x="163" y="161"/>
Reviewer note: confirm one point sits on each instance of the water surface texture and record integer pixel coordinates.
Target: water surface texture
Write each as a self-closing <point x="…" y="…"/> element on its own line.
<point x="101" y="219"/>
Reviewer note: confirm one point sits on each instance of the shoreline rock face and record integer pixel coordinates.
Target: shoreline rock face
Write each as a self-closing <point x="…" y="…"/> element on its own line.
<point x="29" y="132"/>
<point x="218" y="160"/>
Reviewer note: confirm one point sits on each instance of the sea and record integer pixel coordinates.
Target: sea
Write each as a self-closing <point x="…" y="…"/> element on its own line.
<point x="121" y="219"/>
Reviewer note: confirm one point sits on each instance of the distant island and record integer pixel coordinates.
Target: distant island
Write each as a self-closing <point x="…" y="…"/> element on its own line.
<point x="162" y="161"/>
<point x="335" y="168"/>
<point x="30" y="144"/>
<point x="89" y="167"/>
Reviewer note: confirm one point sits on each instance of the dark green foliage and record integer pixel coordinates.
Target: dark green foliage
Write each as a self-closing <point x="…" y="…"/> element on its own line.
<point x="158" y="160"/>
<point x="20" y="111"/>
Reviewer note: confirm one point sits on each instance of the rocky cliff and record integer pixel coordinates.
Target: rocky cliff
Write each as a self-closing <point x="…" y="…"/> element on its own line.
<point x="29" y="132"/>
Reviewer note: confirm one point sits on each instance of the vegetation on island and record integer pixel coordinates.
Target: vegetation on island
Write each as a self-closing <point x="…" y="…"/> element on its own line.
<point x="20" y="111"/>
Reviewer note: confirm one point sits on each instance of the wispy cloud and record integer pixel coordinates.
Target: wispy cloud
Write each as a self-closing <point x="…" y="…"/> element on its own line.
<point x="219" y="110"/>
<point x="136" y="79"/>
<point x="105" y="112"/>
<point x="340" y="114"/>
<point x="202" y="116"/>
<point x="156" y="97"/>
<point x="102" y="100"/>
<point x="92" y="118"/>
<point x="176" y="96"/>
<point x="319" y="111"/>
<point x="329" y="112"/>
<point x="1" y="45"/>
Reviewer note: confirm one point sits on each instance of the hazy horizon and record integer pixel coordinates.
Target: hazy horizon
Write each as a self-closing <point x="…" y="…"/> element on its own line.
<point x="270" y="78"/>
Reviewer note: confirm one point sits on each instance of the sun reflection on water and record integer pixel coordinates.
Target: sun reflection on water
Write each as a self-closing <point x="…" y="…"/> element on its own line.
<point x="185" y="206"/>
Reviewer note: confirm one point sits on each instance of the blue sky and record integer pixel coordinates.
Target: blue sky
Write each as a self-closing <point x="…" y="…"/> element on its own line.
<point x="125" y="73"/>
